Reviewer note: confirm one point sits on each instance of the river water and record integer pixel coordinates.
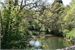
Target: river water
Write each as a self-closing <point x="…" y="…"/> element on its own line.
<point x="56" y="42"/>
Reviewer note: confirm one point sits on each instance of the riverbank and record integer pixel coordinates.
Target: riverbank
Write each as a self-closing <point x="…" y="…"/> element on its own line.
<point x="68" y="48"/>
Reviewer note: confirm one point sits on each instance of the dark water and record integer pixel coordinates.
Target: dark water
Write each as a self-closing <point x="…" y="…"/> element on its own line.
<point x="56" y="42"/>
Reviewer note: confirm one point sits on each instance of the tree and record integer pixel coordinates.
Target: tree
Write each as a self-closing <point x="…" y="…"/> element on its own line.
<point x="57" y="10"/>
<point x="52" y="17"/>
<point x="14" y="31"/>
<point x="69" y="18"/>
<point x="15" y="23"/>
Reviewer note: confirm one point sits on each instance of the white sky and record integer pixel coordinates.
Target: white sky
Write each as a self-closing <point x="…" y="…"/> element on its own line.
<point x="65" y="2"/>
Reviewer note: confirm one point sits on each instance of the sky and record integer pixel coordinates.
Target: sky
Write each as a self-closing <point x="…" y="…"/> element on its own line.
<point x="65" y="2"/>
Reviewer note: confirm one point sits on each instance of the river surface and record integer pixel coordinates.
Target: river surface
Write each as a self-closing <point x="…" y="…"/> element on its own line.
<point x="56" y="42"/>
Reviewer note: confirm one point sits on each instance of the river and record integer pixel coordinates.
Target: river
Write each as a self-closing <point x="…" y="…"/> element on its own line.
<point x="56" y="42"/>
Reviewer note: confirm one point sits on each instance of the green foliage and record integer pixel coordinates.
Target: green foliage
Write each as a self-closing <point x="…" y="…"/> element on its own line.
<point x="18" y="23"/>
<point x="69" y="20"/>
<point x="70" y="34"/>
<point x="14" y="28"/>
<point x="52" y="18"/>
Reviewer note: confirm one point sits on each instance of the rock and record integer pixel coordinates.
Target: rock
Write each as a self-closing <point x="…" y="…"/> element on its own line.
<point x="68" y="48"/>
<point x="37" y="44"/>
<point x="32" y="42"/>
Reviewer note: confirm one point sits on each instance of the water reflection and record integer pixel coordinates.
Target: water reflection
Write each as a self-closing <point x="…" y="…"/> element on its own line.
<point x="56" y="42"/>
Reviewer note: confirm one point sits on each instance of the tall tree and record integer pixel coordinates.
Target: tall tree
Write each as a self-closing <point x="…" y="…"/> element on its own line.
<point x="69" y="18"/>
<point x="57" y="10"/>
<point x="53" y="17"/>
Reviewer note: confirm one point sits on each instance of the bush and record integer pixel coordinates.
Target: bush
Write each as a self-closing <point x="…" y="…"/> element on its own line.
<point x="71" y="34"/>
